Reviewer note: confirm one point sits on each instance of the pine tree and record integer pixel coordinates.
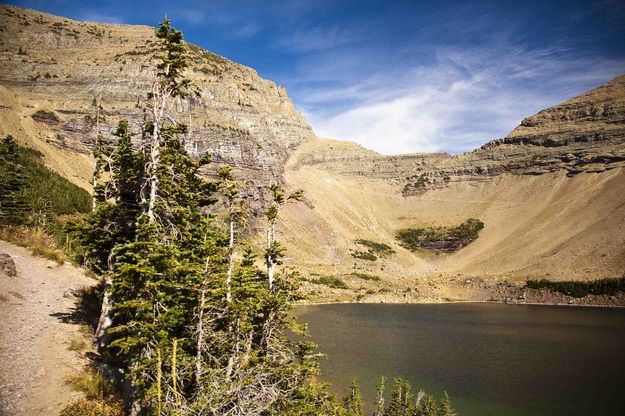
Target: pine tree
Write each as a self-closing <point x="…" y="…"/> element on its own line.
<point x="401" y="399"/>
<point x="353" y="400"/>
<point x="13" y="181"/>
<point x="379" y="397"/>
<point x="427" y="407"/>
<point x="444" y="407"/>
<point x="197" y="331"/>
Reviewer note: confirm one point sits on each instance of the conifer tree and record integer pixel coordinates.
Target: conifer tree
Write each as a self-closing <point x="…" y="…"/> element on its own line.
<point x="13" y="181"/>
<point x="197" y="332"/>
<point x="427" y="407"/>
<point x="379" y="397"/>
<point x="353" y="400"/>
<point x="401" y="399"/>
<point x="444" y="407"/>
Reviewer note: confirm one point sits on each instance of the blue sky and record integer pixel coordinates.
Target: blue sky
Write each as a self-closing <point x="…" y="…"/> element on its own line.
<point x="403" y="76"/>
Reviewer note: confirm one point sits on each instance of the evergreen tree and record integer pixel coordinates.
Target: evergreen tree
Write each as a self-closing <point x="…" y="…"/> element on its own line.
<point x="401" y="399"/>
<point x="444" y="407"/>
<point x="353" y="400"/>
<point x="13" y="181"/>
<point x="427" y="407"/>
<point x="197" y="332"/>
<point x="379" y="398"/>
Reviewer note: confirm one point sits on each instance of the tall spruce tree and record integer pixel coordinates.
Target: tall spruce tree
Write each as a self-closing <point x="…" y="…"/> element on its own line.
<point x="353" y="400"/>
<point x="379" y="397"/>
<point x="197" y="332"/>
<point x="427" y="407"/>
<point x="401" y="399"/>
<point x="444" y="407"/>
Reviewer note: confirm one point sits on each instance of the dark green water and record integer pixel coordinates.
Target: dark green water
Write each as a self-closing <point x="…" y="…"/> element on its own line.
<point x="492" y="359"/>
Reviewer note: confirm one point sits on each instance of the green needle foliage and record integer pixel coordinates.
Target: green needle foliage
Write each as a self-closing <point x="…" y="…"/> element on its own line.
<point x="13" y="182"/>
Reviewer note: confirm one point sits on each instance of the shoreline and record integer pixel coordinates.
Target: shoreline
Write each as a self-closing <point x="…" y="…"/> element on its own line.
<point x="317" y="303"/>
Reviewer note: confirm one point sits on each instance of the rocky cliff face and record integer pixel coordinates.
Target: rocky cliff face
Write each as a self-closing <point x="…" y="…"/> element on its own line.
<point x="52" y="69"/>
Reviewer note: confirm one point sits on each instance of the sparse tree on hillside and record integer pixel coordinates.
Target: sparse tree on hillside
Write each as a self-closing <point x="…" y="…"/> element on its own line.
<point x="169" y="83"/>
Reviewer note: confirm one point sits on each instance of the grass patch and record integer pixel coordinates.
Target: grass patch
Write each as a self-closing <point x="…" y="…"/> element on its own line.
<point x="330" y="281"/>
<point x="78" y="344"/>
<point x="581" y="289"/>
<point x="100" y="399"/>
<point x="39" y="241"/>
<point x="446" y="239"/>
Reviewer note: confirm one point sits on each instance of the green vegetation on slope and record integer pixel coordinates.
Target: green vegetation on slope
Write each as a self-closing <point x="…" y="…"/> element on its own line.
<point x="35" y="202"/>
<point x="330" y="281"/>
<point x="373" y="250"/>
<point x="40" y="191"/>
<point x="442" y="239"/>
<point x="581" y="289"/>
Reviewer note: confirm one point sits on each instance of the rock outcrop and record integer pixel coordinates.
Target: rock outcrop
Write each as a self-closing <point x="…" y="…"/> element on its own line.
<point x="7" y="265"/>
<point x="55" y="69"/>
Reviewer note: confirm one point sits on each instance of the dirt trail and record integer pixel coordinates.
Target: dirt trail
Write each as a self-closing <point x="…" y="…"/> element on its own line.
<point x="36" y="325"/>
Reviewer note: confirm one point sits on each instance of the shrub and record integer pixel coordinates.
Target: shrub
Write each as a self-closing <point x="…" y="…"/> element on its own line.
<point x="581" y="289"/>
<point x="44" y="115"/>
<point x="380" y="249"/>
<point x="365" y="276"/>
<point x="330" y="281"/>
<point x="364" y="255"/>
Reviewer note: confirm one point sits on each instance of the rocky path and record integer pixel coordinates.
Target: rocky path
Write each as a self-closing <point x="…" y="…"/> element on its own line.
<point x="36" y="326"/>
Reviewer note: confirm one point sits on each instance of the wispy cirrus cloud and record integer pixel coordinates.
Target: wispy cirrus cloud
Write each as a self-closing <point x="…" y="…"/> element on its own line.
<point x="455" y="102"/>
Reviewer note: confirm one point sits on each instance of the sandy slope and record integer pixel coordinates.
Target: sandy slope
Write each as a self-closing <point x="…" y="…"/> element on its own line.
<point x="548" y="225"/>
<point x="34" y="334"/>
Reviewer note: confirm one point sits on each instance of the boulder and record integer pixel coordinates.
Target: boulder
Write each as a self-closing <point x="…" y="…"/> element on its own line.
<point x="7" y="265"/>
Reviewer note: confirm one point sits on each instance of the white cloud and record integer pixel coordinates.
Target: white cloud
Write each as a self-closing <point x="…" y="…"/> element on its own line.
<point x="192" y="16"/>
<point x="454" y="102"/>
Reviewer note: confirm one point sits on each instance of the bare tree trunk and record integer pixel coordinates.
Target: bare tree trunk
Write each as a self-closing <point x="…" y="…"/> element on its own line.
<point x="106" y="314"/>
<point x="158" y="108"/>
<point x="95" y="158"/>
<point x="230" y="262"/>
<point x="200" y="337"/>
<point x="271" y="265"/>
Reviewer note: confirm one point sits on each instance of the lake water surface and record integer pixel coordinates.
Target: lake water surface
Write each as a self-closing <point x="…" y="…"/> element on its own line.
<point x="493" y="359"/>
